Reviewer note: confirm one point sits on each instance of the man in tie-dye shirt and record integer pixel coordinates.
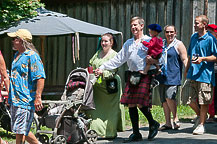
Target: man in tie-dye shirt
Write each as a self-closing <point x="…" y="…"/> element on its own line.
<point x="26" y="86"/>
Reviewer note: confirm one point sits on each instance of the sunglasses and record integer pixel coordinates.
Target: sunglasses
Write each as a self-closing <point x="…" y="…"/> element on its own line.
<point x="169" y="31"/>
<point x="14" y="38"/>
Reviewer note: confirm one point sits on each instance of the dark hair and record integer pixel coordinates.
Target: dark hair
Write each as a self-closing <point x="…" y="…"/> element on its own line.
<point x="112" y="39"/>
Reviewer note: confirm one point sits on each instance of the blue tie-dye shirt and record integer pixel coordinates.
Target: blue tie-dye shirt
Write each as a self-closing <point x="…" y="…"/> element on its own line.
<point x="26" y="69"/>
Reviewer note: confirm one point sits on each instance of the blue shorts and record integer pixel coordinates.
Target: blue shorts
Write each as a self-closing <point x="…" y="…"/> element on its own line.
<point x="21" y="120"/>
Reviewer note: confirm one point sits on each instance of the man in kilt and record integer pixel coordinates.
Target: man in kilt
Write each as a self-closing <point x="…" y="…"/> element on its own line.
<point x="137" y="92"/>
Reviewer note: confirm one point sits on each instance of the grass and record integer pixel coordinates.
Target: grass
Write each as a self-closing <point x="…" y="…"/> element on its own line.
<point x="9" y="136"/>
<point x="184" y="113"/>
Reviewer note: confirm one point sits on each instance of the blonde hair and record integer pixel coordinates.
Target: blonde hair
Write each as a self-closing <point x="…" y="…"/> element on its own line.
<point x="141" y="20"/>
<point x="204" y="19"/>
<point x="29" y="45"/>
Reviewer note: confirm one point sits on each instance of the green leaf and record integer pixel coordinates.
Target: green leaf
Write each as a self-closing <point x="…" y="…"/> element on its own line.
<point x="14" y="10"/>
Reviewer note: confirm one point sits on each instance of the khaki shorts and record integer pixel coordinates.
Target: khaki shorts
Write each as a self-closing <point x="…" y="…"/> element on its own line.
<point x="200" y="91"/>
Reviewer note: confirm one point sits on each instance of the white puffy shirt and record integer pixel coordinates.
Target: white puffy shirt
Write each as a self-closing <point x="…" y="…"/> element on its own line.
<point x="133" y="53"/>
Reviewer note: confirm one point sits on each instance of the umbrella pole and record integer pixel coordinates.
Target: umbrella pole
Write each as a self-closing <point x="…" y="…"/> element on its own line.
<point x="42" y="38"/>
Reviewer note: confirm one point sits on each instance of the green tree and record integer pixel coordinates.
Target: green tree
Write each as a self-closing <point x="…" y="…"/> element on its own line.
<point x="12" y="11"/>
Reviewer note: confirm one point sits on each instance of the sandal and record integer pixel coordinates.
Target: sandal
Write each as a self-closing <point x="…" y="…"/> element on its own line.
<point x="176" y="125"/>
<point x="165" y="127"/>
<point x="210" y="120"/>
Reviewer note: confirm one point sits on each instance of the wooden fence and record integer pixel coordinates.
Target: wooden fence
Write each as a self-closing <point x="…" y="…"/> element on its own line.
<point x="114" y="14"/>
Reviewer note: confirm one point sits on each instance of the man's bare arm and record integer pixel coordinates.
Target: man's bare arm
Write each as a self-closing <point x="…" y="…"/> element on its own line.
<point x="187" y="67"/>
<point x="211" y="58"/>
<point x="39" y="90"/>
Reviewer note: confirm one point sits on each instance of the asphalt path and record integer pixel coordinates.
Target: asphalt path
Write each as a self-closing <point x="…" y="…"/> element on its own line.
<point x="182" y="136"/>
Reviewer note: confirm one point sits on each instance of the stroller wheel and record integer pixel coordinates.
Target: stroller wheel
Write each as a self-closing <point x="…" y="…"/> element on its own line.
<point x="60" y="139"/>
<point x="44" y="139"/>
<point x="51" y="140"/>
<point x="91" y="136"/>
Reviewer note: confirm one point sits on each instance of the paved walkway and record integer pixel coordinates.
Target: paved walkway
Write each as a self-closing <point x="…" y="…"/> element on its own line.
<point x="182" y="136"/>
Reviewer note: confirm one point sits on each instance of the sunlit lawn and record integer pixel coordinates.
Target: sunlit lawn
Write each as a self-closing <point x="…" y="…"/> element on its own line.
<point x="184" y="112"/>
<point x="8" y="136"/>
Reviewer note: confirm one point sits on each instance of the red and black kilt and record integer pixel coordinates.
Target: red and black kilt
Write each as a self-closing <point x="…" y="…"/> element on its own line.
<point x="139" y="94"/>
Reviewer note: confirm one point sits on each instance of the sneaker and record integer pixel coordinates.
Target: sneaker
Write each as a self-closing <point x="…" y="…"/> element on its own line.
<point x="199" y="130"/>
<point x="197" y="121"/>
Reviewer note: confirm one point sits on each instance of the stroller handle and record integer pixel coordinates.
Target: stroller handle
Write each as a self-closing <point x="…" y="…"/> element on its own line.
<point x="93" y="78"/>
<point x="56" y="102"/>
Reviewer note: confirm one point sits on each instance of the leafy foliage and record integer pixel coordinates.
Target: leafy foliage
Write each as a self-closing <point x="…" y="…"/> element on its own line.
<point x="15" y="10"/>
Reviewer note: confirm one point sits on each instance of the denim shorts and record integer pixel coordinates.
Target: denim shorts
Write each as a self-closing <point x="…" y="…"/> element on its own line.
<point x="21" y="120"/>
<point x="167" y="91"/>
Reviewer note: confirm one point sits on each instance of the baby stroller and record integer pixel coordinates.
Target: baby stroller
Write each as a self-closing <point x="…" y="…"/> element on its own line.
<point x="5" y="116"/>
<point x="66" y="118"/>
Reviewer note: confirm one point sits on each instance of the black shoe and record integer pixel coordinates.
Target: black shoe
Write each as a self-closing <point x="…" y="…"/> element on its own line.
<point x="153" y="130"/>
<point x="133" y="137"/>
